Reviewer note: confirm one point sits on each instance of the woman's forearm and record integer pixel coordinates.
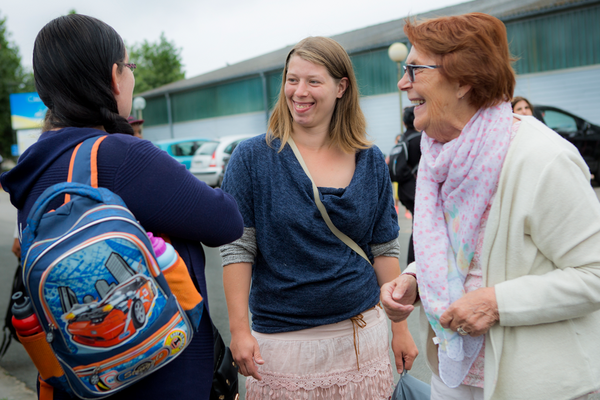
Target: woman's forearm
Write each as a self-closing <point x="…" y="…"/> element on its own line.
<point x="386" y="269"/>
<point x="236" y="282"/>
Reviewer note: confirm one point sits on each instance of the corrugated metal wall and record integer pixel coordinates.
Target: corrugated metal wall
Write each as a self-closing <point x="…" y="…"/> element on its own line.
<point x="156" y="112"/>
<point x="558" y="41"/>
<point x="230" y="98"/>
<point x="221" y="126"/>
<point x="552" y="42"/>
<point x="273" y="87"/>
<point x="383" y="118"/>
<point x="576" y="90"/>
<point x="210" y="127"/>
<point x="375" y="72"/>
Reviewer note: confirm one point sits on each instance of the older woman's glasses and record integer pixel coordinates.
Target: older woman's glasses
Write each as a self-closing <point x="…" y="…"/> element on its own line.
<point x="410" y="69"/>
<point x="131" y="66"/>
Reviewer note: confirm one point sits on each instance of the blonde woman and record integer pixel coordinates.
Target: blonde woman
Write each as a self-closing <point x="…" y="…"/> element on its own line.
<point x="317" y="329"/>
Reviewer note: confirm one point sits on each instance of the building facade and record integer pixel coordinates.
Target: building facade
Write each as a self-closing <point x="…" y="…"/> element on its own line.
<point x="556" y="43"/>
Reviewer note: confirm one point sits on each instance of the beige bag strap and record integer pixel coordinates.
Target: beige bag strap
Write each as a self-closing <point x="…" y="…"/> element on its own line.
<point x="349" y="242"/>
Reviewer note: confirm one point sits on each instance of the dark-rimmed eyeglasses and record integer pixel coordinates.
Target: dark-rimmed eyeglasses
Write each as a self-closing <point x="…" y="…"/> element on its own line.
<point x="410" y="69"/>
<point x="131" y="66"/>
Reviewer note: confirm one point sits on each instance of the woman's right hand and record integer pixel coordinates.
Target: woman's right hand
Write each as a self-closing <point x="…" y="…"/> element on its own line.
<point x="246" y="354"/>
<point x="398" y="297"/>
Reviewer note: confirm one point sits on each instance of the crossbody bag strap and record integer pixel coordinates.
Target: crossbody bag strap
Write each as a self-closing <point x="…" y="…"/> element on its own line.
<point x="343" y="237"/>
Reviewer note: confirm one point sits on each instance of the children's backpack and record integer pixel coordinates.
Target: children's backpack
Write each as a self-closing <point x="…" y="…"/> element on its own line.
<point x="105" y="307"/>
<point x="400" y="171"/>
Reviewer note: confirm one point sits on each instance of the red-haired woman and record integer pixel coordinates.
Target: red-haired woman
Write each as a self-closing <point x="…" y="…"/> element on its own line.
<point x="506" y="229"/>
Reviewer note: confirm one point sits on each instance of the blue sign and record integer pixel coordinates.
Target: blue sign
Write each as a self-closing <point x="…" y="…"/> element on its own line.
<point x="27" y="111"/>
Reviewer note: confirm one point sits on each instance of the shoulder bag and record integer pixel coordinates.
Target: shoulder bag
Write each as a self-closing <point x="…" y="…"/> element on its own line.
<point x="409" y="387"/>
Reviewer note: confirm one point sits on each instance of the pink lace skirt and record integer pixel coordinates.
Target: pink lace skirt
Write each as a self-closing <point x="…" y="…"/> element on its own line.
<point x="321" y="363"/>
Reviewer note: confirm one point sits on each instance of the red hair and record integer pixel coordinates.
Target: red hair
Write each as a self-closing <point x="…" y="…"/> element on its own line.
<point x="473" y="50"/>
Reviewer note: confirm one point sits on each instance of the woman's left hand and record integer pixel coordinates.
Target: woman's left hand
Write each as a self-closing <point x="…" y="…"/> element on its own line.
<point x="404" y="347"/>
<point x="476" y="312"/>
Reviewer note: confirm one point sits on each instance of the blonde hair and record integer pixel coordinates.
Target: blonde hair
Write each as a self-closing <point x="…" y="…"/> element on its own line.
<point x="347" y="128"/>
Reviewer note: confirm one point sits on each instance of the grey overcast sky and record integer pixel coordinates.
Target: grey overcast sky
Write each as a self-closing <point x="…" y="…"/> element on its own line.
<point x="213" y="33"/>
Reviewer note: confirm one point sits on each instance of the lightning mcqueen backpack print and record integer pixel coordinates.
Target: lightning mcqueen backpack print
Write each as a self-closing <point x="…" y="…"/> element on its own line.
<point x="96" y="287"/>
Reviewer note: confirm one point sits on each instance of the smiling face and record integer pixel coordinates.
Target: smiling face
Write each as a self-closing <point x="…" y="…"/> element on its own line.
<point x="311" y="94"/>
<point x="522" y="108"/>
<point x="439" y="109"/>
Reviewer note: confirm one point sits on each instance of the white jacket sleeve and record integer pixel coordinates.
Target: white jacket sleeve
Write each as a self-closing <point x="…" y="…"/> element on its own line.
<point x="563" y="222"/>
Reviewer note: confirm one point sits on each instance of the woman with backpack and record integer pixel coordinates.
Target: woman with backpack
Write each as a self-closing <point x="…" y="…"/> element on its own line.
<point x="84" y="76"/>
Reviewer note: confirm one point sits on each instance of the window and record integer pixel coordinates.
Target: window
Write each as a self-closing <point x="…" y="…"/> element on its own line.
<point x="559" y="122"/>
<point x="229" y="148"/>
<point x="207" y="148"/>
<point x="185" y="148"/>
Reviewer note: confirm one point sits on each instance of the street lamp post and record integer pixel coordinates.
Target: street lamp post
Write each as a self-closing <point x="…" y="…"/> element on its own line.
<point x="139" y="103"/>
<point x="397" y="53"/>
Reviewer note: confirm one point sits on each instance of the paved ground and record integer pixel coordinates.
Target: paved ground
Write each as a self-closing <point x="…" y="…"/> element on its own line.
<point x="19" y="382"/>
<point x="17" y="373"/>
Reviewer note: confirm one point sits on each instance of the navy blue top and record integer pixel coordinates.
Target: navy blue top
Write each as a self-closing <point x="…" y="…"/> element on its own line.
<point x="165" y="198"/>
<point x="303" y="275"/>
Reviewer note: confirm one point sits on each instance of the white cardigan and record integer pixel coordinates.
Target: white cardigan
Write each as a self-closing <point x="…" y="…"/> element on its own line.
<point x="541" y="252"/>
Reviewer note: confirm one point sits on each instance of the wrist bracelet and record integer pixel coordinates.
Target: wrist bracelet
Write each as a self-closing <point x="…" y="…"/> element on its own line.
<point x="411" y="274"/>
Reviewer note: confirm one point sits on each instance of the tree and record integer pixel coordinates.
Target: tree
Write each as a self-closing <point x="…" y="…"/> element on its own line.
<point x="157" y="64"/>
<point x="13" y="79"/>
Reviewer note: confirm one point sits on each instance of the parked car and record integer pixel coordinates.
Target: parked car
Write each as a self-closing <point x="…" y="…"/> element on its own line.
<point x="583" y="134"/>
<point x="181" y="149"/>
<point x="208" y="164"/>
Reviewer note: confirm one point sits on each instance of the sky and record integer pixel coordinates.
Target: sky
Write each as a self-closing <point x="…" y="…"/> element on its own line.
<point x="212" y="34"/>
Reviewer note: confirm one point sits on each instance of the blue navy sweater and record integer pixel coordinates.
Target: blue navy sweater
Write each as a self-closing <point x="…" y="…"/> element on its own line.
<point x="303" y="275"/>
<point x="165" y="198"/>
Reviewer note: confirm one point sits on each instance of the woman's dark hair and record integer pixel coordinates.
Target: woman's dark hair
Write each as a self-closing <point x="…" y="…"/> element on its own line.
<point x="409" y="117"/>
<point x="73" y="59"/>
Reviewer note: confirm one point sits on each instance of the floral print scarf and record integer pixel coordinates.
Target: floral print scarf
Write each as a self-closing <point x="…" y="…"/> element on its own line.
<point x="456" y="181"/>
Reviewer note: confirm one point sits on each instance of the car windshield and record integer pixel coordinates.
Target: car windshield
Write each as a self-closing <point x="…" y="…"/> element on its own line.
<point x="207" y="148"/>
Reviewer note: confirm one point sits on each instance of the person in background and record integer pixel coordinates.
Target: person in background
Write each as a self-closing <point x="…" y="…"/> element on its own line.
<point x="406" y="190"/>
<point x="136" y="124"/>
<point x="317" y="329"/>
<point x="412" y="138"/>
<point x="394" y="184"/>
<point x="164" y="197"/>
<point x="507" y="228"/>
<point x="522" y="106"/>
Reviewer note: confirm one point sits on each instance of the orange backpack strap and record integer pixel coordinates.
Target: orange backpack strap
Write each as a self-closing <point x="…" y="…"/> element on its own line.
<point x="85" y="154"/>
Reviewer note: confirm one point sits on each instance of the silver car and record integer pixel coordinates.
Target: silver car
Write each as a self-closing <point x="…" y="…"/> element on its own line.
<point x="208" y="163"/>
